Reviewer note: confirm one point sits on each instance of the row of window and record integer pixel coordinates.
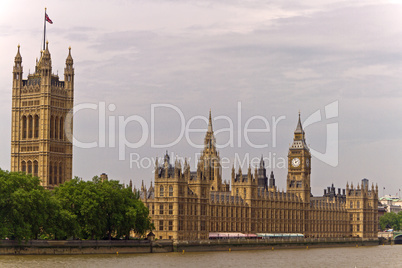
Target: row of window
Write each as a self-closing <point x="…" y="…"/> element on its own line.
<point x="30" y="103"/>
<point x="30" y="167"/>
<point x="190" y="225"/>
<point x="162" y="191"/>
<point x="357" y="204"/>
<point x="55" y="171"/>
<point x="29" y="148"/>
<point x="56" y="128"/>
<point x="57" y="103"/>
<point x="30" y="127"/>
<point x="169" y="226"/>
<point x="357" y="216"/>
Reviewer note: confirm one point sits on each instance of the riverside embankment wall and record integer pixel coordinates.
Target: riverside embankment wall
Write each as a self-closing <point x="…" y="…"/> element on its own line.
<point x="236" y="244"/>
<point x="49" y="247"/>
<point x="60" y="247"/>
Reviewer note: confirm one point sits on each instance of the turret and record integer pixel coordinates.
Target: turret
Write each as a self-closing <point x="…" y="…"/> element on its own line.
<point x="272" y="180"/>
<point x="255" y="174"/>
<point x="17" y="70"/>
<point x="156" y="169"/>
<point x="45" y="67"/>
<point x="262" y="175"/>
<point x="69" y="73"/>
<point x="143" y="189"/>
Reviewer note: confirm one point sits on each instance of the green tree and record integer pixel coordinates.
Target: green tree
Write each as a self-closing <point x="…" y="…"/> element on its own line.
<point x="81" y="200"/>
<point x="80" y="209"/>
<point x="101" y="209"/>
<point x="63" y="223"/>
<point x="136" y="215"/>
<point x="391" y="220"/>
<point x="25" y="206"/>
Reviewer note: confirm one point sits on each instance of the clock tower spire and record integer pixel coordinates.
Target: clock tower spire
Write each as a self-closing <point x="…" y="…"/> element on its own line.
<point x="299" y="165"/>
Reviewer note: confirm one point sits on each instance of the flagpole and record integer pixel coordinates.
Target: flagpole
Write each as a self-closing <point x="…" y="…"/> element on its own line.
<point x="44" y="30"/>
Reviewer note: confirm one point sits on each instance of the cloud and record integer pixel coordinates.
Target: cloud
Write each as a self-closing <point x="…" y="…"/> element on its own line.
<point x="371" y="70"/>
<point x="301" y="74"/>
<point x="276" y="57"/>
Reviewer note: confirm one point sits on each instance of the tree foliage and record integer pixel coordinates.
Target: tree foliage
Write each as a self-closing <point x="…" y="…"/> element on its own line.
<point x="76" y="209"/>
<point x="391" y="220"/>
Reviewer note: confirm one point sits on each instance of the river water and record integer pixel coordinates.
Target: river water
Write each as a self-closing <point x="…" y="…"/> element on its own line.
<point x="374" y="256"/>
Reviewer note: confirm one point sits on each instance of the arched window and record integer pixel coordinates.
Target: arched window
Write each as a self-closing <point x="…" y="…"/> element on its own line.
<point x="35" y="168"/>
<point x="30" y="126"/>
<point x="50" y="175"/>
<point x="51" y="126"/>
<point x="55" y="174"/>
<point x="358" y="204"/>
<point x="23" y="166"/>
<point x="61" y="129"/>
<point x="60" y="174"/>
<point x="170" y="190"/>
<point x="56" y="128"/>
<point x="29" y="167"/>
<point x="24" y="127"/>
<point x="161" y="193"/>
<point x="36" y="134"/>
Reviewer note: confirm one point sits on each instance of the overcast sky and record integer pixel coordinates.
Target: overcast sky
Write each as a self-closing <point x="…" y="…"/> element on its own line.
<point x="271" y="58"/>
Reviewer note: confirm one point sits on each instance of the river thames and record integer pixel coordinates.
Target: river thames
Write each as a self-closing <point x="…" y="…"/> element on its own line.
<point x="374" y="256"/>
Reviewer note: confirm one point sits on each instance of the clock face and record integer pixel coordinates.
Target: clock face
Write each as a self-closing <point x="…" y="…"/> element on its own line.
<point x="307" y="162"/>
<point x="295" y="162"/>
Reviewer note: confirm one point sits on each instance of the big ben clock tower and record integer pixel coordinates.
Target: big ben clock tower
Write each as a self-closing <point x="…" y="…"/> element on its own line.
<point x="299" y="166"/>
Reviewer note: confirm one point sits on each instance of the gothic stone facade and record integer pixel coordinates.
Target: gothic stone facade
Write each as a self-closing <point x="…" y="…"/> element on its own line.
<point x="40" y="106"/>
<point x="186" y="205"/>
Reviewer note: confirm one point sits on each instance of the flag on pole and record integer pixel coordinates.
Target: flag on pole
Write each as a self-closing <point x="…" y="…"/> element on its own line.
<point x="48" y="19"/>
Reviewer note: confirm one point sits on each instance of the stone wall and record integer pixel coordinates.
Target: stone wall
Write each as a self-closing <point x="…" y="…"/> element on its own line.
<point x="55" y="247"/>
<point x="47" y="247"/>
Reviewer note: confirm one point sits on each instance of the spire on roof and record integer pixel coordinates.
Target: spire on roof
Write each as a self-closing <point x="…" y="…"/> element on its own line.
<point x="46" y="51"/>
<point x="299" y="128"/>
<point x="262" y="163"/>
<point x="18" y="52"/>
<point x="69" y="59"/>
<point x="210" y="122"/>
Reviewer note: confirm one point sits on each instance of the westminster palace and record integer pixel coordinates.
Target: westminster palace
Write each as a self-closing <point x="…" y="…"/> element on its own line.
<point x="189" y="205"/>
